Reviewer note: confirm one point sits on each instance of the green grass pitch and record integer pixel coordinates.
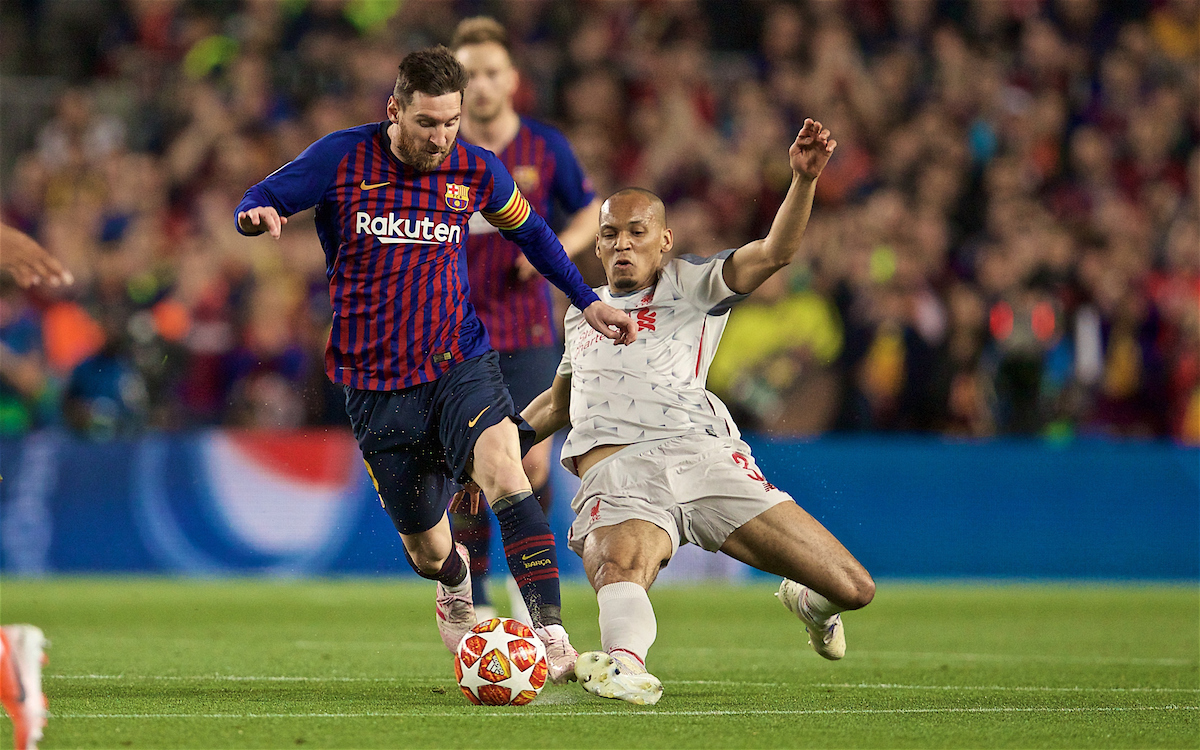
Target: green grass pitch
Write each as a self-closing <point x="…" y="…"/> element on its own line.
<point x="156" y="663"/>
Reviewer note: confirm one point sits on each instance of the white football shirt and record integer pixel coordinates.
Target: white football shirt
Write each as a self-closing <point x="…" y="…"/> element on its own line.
<point x="653" y="388"/>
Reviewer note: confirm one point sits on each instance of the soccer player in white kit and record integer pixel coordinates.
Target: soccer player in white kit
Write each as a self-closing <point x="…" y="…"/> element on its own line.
<point x="660" y="460"/>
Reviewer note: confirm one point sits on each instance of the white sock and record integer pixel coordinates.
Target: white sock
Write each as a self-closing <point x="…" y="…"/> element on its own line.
<point x="627" y="622"/>
<point x="819" y="608"/>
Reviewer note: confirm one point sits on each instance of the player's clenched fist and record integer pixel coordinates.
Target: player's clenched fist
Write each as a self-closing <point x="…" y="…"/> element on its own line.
<point x="261" y="219"/>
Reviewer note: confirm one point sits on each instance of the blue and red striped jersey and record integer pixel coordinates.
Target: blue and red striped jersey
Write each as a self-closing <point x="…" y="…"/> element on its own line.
<point x="394" y="240"/>
<point x="518" y="313"/>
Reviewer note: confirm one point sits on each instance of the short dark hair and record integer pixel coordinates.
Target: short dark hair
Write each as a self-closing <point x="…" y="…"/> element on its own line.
<point x="480" y="30"/>
<point x="656" y="203"/>
<point x="433" y="71"/>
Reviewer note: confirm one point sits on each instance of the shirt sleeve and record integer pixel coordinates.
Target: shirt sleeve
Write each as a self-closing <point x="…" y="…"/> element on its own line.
<point x="301" y="182"/>
<point x="564" y="365"/>
<point x="570" y="333"/>
<point x="702" y="282"/>
<point x="508" y="211"/>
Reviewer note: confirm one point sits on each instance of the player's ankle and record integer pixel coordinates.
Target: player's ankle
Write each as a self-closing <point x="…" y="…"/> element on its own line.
<point x="548" y="615"/>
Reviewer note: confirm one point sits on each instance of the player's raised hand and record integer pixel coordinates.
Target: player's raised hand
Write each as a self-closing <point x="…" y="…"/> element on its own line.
<point x="811" y="151"/>
<point x="610" y="322"/>
<point x="261" y="219"/>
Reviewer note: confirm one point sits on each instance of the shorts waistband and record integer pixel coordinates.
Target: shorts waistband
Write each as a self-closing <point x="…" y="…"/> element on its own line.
<point x="634" y="449"/>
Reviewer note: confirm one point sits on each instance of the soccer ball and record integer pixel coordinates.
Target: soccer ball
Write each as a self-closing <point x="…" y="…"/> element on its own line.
<point x="500" y="662"/>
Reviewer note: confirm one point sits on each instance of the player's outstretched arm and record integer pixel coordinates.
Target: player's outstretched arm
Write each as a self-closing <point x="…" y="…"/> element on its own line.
<point x="550" y="411"/>
<point x="754" y="263"/>
<point x="255" y="221"/>
<point x="28" y="262"/>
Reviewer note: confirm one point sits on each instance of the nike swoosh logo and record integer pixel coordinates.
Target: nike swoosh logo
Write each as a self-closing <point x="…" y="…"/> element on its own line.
<point x="365" y="186"/>
<point x="477" y="416"/>
<point x="532" y="555"/>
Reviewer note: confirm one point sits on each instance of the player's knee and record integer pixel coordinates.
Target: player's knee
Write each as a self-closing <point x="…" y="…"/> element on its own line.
<point x="504" y="478"/>
<point x="612" y="571"/>
<point x="425" y="564"/>
<point x="860" y="591"/>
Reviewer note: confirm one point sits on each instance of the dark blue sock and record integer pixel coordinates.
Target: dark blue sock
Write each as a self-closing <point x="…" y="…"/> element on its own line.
<point x="532" y="556"/>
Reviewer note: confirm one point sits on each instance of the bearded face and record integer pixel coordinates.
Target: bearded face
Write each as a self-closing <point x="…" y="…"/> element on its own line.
<point x="423" y="133"/>
<point x="416" y="149"/>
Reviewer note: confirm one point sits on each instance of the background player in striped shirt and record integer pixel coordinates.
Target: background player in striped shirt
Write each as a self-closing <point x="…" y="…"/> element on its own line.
<point x="511" y="298"/>
<point x="423" y="389"/>
<point x="660" y="459"/>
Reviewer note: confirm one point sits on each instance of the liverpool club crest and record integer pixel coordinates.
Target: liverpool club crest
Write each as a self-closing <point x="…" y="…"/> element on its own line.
<point x="458" y="196"/>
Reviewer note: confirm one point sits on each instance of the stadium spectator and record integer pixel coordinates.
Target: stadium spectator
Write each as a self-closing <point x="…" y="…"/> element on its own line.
<point x="1005" y="123"/>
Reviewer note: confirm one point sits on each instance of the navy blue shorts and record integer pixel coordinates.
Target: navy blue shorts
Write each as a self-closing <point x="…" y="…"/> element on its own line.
<point x="416" y="439"/>
<point x="528" y="372"/>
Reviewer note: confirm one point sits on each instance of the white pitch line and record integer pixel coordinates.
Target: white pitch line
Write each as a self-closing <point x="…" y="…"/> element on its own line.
<point x="527" y="714"/>
<point x="382" y="645"/>
<point x="1119" y="660"/>
<point x="969" y="657"/>
<point x="241" y="678"/>
<point x="736" y="683"/>
<point x="1031" y="688"/>
<point x="729" y="683"/>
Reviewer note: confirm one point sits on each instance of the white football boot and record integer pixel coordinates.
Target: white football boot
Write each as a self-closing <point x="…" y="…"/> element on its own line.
<point x="455" y="611"/>
<point x="617" y="676"/>
<point x="827" y="638"/>
<point x="560" y="655"/>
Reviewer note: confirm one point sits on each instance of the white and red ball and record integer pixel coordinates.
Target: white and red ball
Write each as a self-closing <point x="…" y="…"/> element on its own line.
<point x="501" y="662"/>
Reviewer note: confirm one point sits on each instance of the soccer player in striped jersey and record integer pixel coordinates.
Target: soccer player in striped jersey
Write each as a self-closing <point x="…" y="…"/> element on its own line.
<point x="423" y="389"/>
<point x="512" y="299"/>
<point x="660" y="460"/>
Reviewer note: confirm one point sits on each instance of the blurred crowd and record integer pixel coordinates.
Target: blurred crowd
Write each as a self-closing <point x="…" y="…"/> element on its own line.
<point x="1007" y="240"/>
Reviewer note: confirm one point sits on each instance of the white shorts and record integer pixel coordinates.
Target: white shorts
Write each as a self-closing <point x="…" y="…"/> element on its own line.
<point x="697" y="488"/>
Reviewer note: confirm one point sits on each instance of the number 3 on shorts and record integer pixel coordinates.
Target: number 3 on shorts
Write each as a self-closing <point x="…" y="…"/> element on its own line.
<point x="744" y="462"/>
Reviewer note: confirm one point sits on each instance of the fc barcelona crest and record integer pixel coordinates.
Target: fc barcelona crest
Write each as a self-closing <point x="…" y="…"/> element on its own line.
<point x="526" y="177"/>
<point x="458" y="197"/>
